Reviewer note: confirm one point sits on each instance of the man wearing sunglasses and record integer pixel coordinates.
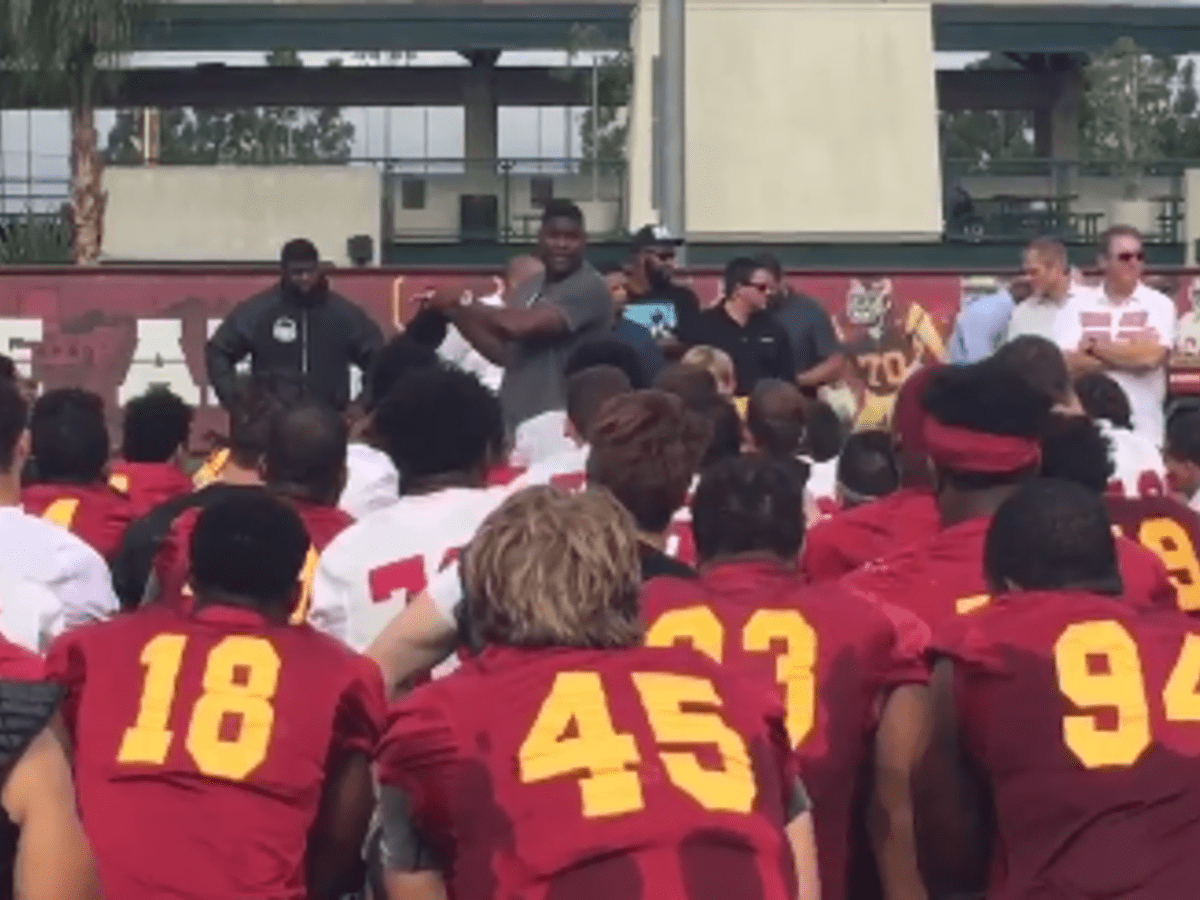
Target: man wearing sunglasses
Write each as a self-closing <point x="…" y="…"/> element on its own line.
<point x="1127" y="330"/>
<point x="653" y="299"/>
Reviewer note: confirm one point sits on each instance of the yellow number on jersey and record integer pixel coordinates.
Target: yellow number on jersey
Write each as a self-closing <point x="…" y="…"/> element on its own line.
<point x="307" y="574"/>
<point x="608" y="788"/>
<point x="148" y="740"/>
<point x="62" y="512"/>
<point x="573" y="735"/>
<point x="1099" y="667"/>
<point x="794" y="667"/>
<point x="1170" y="542"/>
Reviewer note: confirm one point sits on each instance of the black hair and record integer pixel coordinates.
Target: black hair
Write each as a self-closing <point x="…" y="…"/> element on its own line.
<point x="726" y="441"/>
<point x="439" y="421"/>
<point x="738" y="273"/>
<point x="69" y="436"/>
<point x="775" y="417"/>
<point x="696" y="387"/>
<point x="751" y="504"/>
<point x="14" y="417"/>
<point x="608" y="352"/>
<point x="770" y="262"/>
<point x="824" y="432"/>
<point x="306" y="452"/>
<point x="560" y="208"/>
<point x="248" y="546"/>
<point x="1039" y="362"/>
<point x="1102" y="398"/>
<point x="399" y="356"/>
<point x="867" y="466"/>
<point x="253" y="407"/>
<point x="1075" y="449"/>
<point x="587" y="392"/>
<point x="1052" y="535"/>
<point x="8" y="368"/>
<point x="427" y="328"/>
<point x="156" y="424"/>
<point x="299" y="250"/>
<point x="987" y="397"/>
<point x="1183" y="436"/>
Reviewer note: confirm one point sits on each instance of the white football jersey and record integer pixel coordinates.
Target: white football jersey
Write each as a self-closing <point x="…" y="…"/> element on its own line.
<point x="41" y="552"/>
<point x="375" y="566"/>
<point x="822" y="487"/>
<point x="371" y="481"/>
<point x="566" y="470"/>
<point x="1137" y="463"/>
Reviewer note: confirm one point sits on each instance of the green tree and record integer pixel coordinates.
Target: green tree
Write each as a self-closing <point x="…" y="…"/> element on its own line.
<point x="54" y="45"/>
<point x="974" y="138"/>
<point x="256" y="135"/>
<point x="602" y="136"/>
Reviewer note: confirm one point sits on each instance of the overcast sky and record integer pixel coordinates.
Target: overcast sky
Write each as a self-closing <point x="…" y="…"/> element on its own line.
<point x="37" y="143"/>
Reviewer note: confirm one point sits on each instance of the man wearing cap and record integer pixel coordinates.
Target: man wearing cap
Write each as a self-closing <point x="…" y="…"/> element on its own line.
<point x="849" y="539"/>
<point x="653" y="298"/>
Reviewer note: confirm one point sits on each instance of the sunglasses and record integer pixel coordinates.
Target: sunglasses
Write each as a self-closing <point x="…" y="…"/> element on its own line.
<point x="759" y="286"/>
<point x="1130" y="256"/>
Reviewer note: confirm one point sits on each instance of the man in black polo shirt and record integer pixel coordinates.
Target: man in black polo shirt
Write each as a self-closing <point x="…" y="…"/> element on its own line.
<point x="741" y="326"/>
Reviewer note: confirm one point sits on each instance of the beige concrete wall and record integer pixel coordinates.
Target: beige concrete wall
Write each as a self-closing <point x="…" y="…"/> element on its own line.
<point x="805" y="119"/>
<point x="237" y="213"/>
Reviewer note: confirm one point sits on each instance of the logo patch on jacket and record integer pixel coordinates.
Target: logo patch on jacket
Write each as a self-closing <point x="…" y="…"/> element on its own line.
<point x="284" y="330"/>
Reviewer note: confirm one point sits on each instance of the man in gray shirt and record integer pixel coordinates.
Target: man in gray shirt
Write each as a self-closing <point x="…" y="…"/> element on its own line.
<point x="547" y="316"/>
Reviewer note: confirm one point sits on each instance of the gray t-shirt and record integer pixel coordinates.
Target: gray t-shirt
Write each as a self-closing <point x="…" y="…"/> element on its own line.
<point x="533" y="379"/>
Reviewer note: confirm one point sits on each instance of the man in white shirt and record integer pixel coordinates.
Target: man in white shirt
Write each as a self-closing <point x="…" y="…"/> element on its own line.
<point x="440" y="427"/>
<point x="371" y="479"/>
<point x="1182" y="457"/>
<point x="38" y="551"/>
<point x="587" y="393"/>
<point x="1127" y="329"/>
<point x="1138" y="467"/>
<point x="1051" y="309"/>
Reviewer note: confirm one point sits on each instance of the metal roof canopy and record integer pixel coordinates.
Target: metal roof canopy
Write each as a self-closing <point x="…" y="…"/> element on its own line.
<point x="363" y="25"/>
<point x="366" y="26"/>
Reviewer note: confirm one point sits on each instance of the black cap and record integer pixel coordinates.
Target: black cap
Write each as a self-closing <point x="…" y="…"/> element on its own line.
<point x="654" y="236"/>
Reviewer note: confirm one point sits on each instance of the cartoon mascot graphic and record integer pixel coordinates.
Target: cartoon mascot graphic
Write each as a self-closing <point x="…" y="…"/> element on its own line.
<point x="883" y="342"/>
<point x="1187" y="340"/>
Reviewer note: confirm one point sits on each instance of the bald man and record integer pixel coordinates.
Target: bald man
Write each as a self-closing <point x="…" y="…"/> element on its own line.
<point x="456" y="349"/>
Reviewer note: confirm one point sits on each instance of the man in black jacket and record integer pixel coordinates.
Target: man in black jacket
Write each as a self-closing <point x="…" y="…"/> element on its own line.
<point x="299" y="327"/>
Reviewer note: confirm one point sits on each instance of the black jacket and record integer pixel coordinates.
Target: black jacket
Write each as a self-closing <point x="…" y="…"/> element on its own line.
<point x="318" y="337"/>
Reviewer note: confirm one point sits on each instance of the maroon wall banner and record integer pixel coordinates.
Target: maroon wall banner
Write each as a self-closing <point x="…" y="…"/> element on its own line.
<point x="118" y="331"/>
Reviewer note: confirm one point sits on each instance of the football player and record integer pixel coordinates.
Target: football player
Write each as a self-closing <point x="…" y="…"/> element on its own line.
<point x="847" y="667"/>
<point x="1138" y="464"/>
<point x="883" y="345"/>
<point x="1065" y="757"/>
<point x="587" y="392"/>
<point x="844" y="542"/>
<point x="566" y="760"/>
<point x="983" y="433"/>
<point x="154" y="441"/>
<point x="305" y="464"/>
<point x="70" y="451"/>
<point x="223" y="752"/>
<point x="1076" y="449"/>
<point x="441" y="427"/>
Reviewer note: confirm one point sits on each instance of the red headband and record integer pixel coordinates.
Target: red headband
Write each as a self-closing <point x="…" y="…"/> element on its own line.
<point x="963" y="450"/>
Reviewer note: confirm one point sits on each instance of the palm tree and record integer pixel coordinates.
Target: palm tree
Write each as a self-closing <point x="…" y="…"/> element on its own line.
<point x="57" y="47"/>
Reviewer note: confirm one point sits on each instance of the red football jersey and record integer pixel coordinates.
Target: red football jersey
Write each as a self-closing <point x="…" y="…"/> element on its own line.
<point x="1081" y="712"/>
<point x="148" y="484"/>
<point x="943" y="576"/>
<point x="172" y="566"/>
<point x="94" y="512"/>
<point x="19" y="664"/>
<point x="639" y="774"/>
<point x="1171" y="531"/>
<point x="201" y="745"/>
<point x="831" y="656"/>
<point x="849" y="539"/>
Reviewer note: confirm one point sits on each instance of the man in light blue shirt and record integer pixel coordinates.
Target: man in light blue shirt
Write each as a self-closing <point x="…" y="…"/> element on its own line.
<point x="981" y="326"/>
